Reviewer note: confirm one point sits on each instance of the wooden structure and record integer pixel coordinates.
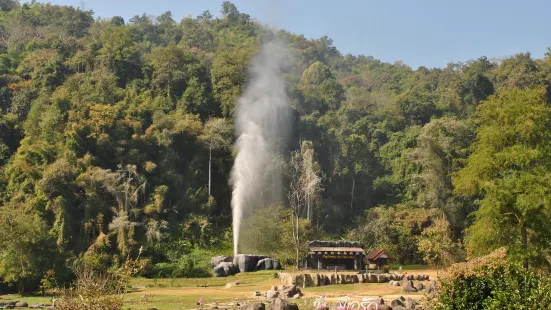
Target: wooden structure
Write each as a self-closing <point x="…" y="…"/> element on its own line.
<point x="340" y="255"/>
<point x="377" y="259"/>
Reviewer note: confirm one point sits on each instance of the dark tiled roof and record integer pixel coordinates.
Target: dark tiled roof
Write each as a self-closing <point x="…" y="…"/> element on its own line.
<point x="336" y="249"/>
<point x="336" y="244"/>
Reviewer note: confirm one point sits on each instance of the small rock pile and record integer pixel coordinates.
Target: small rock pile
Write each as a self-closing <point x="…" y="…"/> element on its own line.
<point x="224" y="266"/>
<point x="404" y="303"/>
<point x="283" y="291"/>
<point x="276" y="304"/>
<point x="409" y="287"/>
<point x="21" y="304"/>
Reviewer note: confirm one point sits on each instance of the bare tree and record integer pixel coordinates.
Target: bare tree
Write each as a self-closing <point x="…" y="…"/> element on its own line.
<point x="297" y="198"/>
<point x="304" y="188"/>
<point x="216" y="134"/>
<point x="309" y="178"/>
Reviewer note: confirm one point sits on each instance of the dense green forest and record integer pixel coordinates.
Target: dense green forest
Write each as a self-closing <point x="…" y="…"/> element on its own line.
<point x="107" y="127"/>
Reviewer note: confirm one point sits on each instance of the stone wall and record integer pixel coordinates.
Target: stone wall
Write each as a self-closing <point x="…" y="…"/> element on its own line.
<point x="321" y="279"/>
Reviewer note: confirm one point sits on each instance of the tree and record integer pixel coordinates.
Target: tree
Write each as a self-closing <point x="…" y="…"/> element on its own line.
<point x="436" y="245"/>
<point x="310" y="180"/>
<point x="441" y="145"/>
<point x="26" y="248"/>
<point x="320" y="88"/>
<point x="303" y="190"/>
<point x="8" y="5"/>
<point x="509" y="169"/>
<point x="117" y="21"/>
<point x="217" y="134"/>
<point x="297" y="201"/>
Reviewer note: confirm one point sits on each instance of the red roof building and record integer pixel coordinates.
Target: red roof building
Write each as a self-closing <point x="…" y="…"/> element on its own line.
<point x="375" y="259"/>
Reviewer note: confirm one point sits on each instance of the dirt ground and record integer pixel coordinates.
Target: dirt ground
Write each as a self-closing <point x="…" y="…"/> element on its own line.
<point x="242" y="291"/>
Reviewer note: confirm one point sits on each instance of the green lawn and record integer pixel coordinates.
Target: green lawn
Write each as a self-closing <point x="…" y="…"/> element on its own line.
<point x="30" y="299"/>
<point x="410" y="267"/>
<point x="242" y="278"/>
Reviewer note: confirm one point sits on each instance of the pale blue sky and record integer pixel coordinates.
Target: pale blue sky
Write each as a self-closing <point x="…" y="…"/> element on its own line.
<point x="431" y="33"/>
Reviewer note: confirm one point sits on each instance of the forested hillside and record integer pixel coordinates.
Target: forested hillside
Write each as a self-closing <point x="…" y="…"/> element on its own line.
<point x="107" y="127"/>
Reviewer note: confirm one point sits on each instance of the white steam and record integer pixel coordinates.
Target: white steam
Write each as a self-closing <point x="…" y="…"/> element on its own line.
<point x="262" y="123"/>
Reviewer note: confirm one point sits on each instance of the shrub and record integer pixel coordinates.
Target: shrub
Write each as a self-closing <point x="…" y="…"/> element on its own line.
<point x="95" y="289"/>
<point x="193" y="265"/>
<point x="491" y="282"/>
<point x="165" y="270"/>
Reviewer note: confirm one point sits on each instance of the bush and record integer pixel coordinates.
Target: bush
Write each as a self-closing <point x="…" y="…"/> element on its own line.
<point x="193" y="265"/>
<point x="164" y="270"/>
<point x="492" y="282"/>
<point x="98" y="290"/>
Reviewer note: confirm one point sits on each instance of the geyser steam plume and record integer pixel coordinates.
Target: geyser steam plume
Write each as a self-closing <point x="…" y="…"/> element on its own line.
<point x="262" y="125"/>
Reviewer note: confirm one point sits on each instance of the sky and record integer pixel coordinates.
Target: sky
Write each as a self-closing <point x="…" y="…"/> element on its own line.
<point x="430" y="33"/>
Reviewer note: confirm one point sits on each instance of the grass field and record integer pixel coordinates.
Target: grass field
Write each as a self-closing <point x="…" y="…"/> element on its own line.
<point x="185" y="293"/>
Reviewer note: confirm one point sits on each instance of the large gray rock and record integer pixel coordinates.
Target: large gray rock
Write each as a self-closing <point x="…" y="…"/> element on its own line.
<point x="8" y="304"/>
<point x="225" y="269"/>
<point x="247" y="262"/>
<point x="255" y="306"/>
<point x="378" y="305"/>
<point x="268" y="264"/>
<point x="431" y="287"/>
<point x="407" y="286"/>
<point x="280" y="304"/>
<point x="21" y="304"/>
<point x="410" y="303"/>
<point x="397" y="303"/>
<point x="288" y="291"/>
<point x="216" y="260"/>
<point x="272" y="294"/>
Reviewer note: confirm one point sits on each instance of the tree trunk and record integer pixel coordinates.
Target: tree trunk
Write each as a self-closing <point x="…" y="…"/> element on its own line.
<point x="308" y="212"/>
<point x="352" y="194"/>
<point x="210" y="166"/>
<point x="524" y="234"/>
<point x="297" y="242"/>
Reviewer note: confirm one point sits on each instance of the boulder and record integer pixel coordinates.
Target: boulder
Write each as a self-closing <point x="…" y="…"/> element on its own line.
<point x="287" y="278"/>
<point x="247" y="262"/>
<point x="420" y="287"/>
<point x="225" y="269"/>
<point x="254" y="306"/>
<point x="21" y="304"/>
<point x="410" y="303"/>
<point x="216" y="260"/>
<point x="379" y="304"/>
<point x="265" y="264"/>
<point x="272" y="294"/>
<point x="397" y="303"/>
<point x="280" y="304"/>
<point x="8" y="304"/>
<point x="290" y="291"/>
<point x="407" y="286"/>
<point x="431" y="287"/>
<point x="372" y="278"/>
